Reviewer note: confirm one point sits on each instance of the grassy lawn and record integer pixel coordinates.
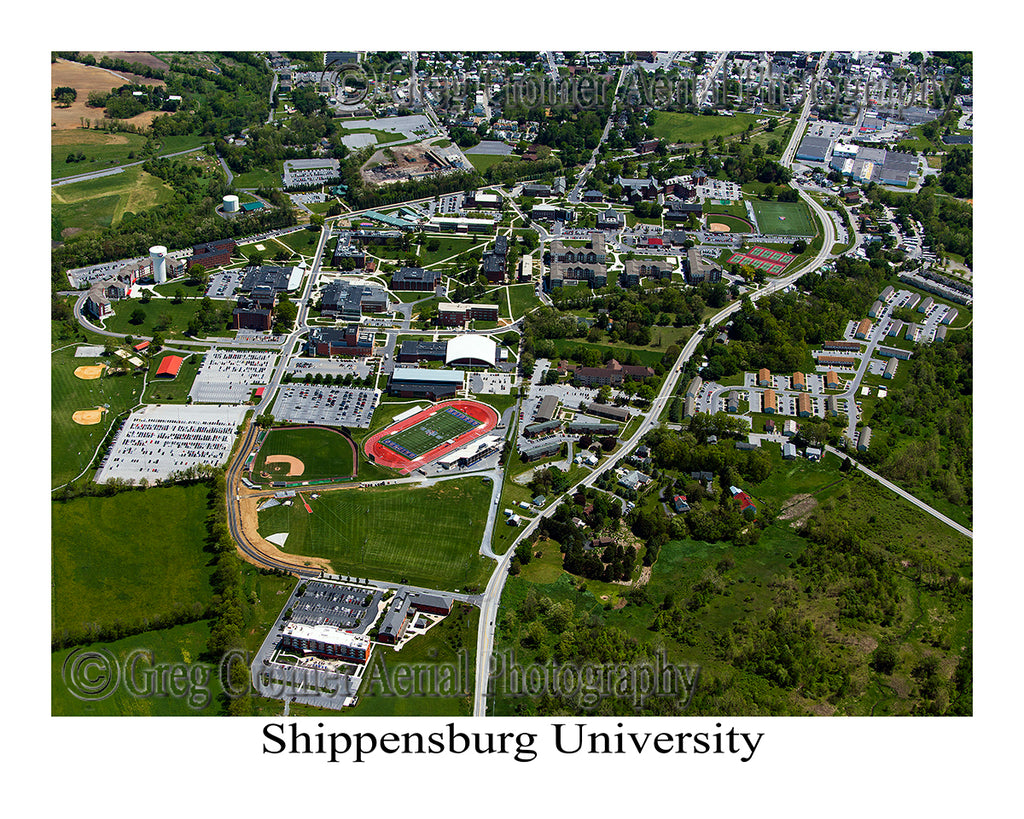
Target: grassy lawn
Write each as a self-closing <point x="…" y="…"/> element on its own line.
<point x="523" y="298"/>
<point x="324" y="453"/>
<point x="423" y="536"/>
<point x="98" y="203"/>
<point x="565" y="346"/>
<point x="72" y="445"/>
<point x="695" y="128"/>
<point x="301" y="241"/>
<point x="102" y="150"/>
<point x="446" y="249"/>
<point x="129" y="574"/>
<point x="172" y="390"/>
<point x="179" y="315"/>
<point x="259" y="178"/>
<point x="483" y="161"/>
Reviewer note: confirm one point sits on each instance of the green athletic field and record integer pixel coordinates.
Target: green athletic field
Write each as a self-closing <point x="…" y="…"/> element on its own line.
<point x="427" y="536"/>
<point x="797" y="221"/>
<point x="72" y="445"/>
<point x="438" y="429"/>
<point x="325" y="453"/>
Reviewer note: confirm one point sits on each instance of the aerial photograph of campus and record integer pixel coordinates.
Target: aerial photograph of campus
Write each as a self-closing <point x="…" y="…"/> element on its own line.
<point x="511" y="383"/>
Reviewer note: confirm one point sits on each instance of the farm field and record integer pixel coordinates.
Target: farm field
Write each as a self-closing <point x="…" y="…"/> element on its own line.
<point x="126" y="574"/>
<point x="106" y="149"/>
<point x="695" y="128"/>
<point x="783" y="218"/>
<point x="86" y="78"/>
<point x="428" y="536"/>
<point x="323" y="453"/>
<point x="99" y="203"/>
<point x="72" y="445"/>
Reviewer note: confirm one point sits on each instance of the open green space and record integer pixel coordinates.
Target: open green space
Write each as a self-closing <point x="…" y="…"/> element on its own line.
<point x="182" y="644"/>
<point x="523" y="298"/>
<point x="72" y="445"/>
<point x="446" y="248"/>
<point x="101" y="149"/>
<point x="783" y="218"/>
<point x="301" y="241"/>
<point x="424" y="536"/>
<point x="483" y="161"/>
<point x="102" y="202"/>
<point x="259" y="178"/>
<point x="565" y="346"/>
<point x="109" y="572"/>
<point x="324" y="453"/>
<point x="159" y="314"/>
<point x="695" y="128"/>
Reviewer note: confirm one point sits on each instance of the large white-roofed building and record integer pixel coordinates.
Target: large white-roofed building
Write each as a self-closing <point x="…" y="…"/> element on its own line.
<point x="471" y="351"/>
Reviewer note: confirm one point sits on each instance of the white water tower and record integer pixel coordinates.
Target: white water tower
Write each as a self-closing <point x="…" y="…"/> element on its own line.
<point x="230" y="204"/>
<point x="158" y="258"/>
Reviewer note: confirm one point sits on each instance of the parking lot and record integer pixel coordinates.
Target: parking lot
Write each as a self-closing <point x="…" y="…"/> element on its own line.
<point x="299" y="367"/>
<point x="229" y="376"/>
<point x="331" y="406"/>
<point x="349" y="607"/>
<point x="224" y="284"/>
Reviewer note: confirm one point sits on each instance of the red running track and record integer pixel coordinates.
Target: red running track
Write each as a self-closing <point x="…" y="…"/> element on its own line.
<point x="381" y="455"/>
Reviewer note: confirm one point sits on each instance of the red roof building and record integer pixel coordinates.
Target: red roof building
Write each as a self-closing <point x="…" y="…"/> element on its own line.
<point x="170" y="366"/>
<point x="142" y="345"/>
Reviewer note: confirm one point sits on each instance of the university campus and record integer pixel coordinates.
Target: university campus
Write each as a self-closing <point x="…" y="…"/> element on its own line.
<point x="421" y="359"/>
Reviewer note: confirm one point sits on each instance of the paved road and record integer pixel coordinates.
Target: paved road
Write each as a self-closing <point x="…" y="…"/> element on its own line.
<point x="794" y="142"/>
<point x="111" y="171"/>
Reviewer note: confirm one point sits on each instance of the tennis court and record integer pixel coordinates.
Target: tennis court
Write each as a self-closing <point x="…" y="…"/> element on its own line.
<point x="770" y="261"/>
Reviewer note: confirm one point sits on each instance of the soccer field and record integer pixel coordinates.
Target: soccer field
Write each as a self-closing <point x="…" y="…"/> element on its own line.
<point x="429" y="536"/>
<point x="783" y="218"/>
<point x="438" y="429"/>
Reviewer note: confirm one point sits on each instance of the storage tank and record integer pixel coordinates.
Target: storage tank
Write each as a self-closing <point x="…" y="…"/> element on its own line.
<point x="158" y="258"/>
<point x="231" y="203"/>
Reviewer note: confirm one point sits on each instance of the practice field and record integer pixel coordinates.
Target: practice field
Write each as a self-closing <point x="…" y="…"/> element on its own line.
<point x="721" y="223"/>
<point x="694" y="128"/>
<point x="321" y="454"/>
<point x="770" y="261"/>
<point x="783" y="218"/>
<point x="72" y="444"/>
<point x="429" y="434"/>
<point x="425" y="536"/>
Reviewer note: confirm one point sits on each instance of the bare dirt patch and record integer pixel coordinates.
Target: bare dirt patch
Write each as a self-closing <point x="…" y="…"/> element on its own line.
<point x="249" y="519"/>
<point x="400" y="164"/>
<point x="797" y="509"/>
<point x="718" y="227"/>
<point x="90" y="372"/>
<point x="88" y="417"/>
<point x="295" y="466"/>
<point x="86" y="78"/>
